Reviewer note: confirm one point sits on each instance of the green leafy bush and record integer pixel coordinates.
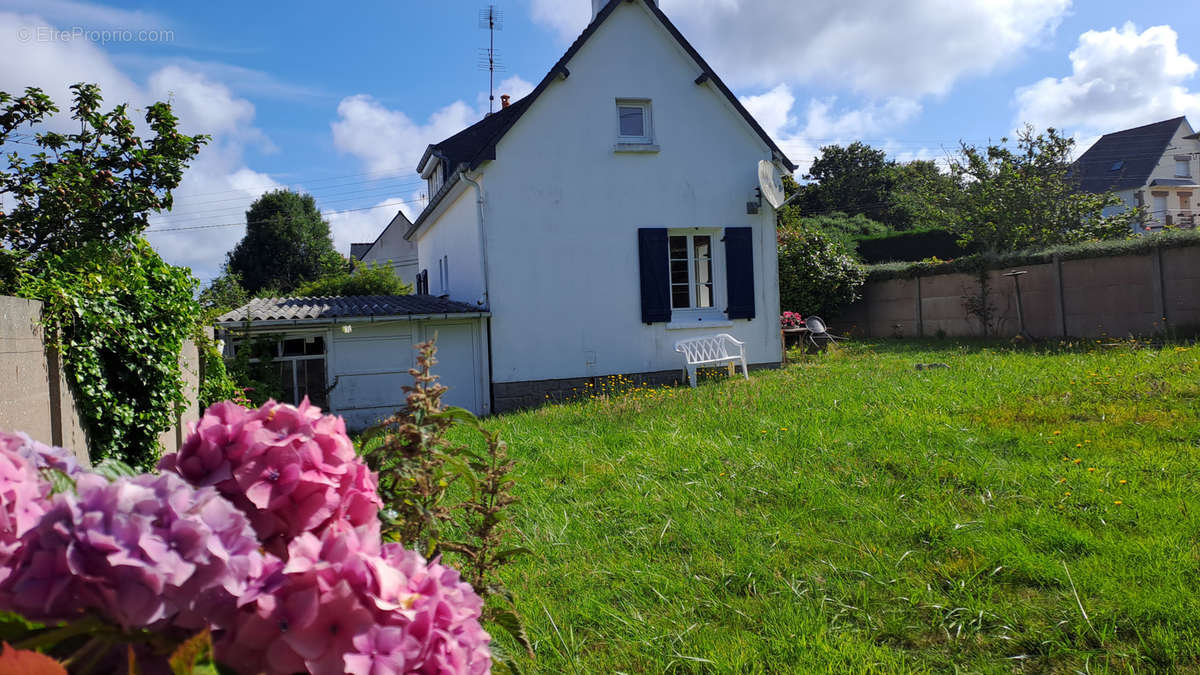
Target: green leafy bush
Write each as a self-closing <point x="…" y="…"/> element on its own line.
<point x="360" y="279"/>
<point x="816" y="274"/>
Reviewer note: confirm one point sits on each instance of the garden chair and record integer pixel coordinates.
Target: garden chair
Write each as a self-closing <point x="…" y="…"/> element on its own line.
<point x="817" y="331"/>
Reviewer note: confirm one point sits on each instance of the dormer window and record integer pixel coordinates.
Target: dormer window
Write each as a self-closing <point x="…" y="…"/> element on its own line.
<point x="435" y="180"/>
<point x="633" y="122"/>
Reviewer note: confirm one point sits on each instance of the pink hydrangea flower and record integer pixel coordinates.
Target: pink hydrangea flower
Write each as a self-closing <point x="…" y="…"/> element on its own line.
<point x="23" y="498"/>
<point x="345" y="604"/>
<point x="138" y="551"/>
<point x="290" y="469"/>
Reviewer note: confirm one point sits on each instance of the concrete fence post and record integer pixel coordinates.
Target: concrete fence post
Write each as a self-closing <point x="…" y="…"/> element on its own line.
<point x="54" y="393"/>
<point x="1060" y="303"/>
<point x="920" y="319"/>
<point x="1159" y="287"/>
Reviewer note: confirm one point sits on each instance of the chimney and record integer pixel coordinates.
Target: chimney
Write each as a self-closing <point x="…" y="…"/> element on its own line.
<point x="598" y="5"/>
<point x="504" y="101"/>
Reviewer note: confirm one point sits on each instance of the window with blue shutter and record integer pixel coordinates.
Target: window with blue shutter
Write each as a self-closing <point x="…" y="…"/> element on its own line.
<point x="653" y="257"/>
<point x="739" y="272"/>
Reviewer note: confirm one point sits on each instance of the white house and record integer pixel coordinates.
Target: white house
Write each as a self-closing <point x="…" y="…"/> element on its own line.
<point x="1155" y="167"/>
<point x="605" y="215"/>
<point x="391" y="248"/>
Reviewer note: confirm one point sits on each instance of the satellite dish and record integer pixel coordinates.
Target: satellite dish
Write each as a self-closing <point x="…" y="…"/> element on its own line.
<point x="770" y="183"/>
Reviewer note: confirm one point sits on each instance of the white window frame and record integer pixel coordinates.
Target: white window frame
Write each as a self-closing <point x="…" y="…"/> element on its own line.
<point x="691" y="315"/>
<point x="647" y="137"/>
<point x="1185" y="165"/>
<point x="293" y="361"/>
<point x="444" y="275"/>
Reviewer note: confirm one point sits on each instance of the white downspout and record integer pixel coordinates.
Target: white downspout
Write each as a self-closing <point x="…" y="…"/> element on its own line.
<point x="483" y="254"/>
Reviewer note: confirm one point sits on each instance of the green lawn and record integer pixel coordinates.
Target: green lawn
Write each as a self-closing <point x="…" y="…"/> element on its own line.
<point x="1017" y="512"/>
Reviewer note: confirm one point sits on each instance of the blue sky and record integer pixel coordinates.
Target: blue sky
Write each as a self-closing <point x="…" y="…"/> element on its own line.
<point x="340" y="100"/>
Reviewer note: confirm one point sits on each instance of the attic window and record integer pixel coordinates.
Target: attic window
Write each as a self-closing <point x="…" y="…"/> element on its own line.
<point x="1117" y="165"/>
<point x="633" y="121"/>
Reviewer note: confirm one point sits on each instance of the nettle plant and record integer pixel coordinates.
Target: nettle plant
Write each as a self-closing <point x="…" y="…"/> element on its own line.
<point x="447" y="498"/>
<point x="257" y="547"/>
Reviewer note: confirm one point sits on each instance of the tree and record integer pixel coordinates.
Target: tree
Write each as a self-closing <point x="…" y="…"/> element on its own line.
<point x="853" y="180"/>
<point x="115" y="311"/>
<point x="223" y="294"/>
<point x="361" y="279"/>
<point x="287" y="243"/>
<point x="858" y="180"/>
<point x="1026" y="198"/>
<point x="97" y="185"/>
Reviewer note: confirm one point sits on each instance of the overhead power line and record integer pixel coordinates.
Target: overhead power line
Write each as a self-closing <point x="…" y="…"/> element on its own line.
<point x="259" y="222"/>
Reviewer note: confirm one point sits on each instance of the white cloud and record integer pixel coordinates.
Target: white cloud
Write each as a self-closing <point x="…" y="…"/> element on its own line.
<point x="389" y="141"/>
<point x="910" y="48"/>
<point x="1119" y="79"/>
<point x="823" y="123"/>
<point x="216" y="188"/>
<point x="364" y="225"/>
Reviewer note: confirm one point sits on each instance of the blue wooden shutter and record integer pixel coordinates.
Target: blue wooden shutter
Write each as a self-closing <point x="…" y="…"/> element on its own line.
<point x="739" y="272"/>
<point x="653" y="259"/>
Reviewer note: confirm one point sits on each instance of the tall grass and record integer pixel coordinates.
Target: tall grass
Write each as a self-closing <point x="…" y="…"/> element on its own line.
<point x="1022" y="510"/>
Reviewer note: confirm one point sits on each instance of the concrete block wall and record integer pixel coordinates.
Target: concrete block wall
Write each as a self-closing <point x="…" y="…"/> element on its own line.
<point x="1114" y="296"/>
<point x="37" y="398"/>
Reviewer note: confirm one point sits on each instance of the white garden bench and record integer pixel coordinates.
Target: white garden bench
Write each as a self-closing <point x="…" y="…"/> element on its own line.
<point x="711" y="351"/>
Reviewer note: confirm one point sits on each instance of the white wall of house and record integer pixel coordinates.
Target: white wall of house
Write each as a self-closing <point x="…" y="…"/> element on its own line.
<point x="1175" y="205"/>
<point x="394" y="250"/>
<point x="454" y="243"/>
<point x="563" y="210"/>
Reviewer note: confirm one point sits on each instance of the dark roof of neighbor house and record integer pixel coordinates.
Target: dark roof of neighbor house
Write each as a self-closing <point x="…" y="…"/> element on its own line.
<point x="357" y="251"/>
<point x="477" y="143"/>
<point x="306" y="309"/>
<point x="1125" y="159"/>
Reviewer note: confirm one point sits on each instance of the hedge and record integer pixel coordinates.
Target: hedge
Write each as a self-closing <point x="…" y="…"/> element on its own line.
<point x="980" y="261"/>
<point x="912" y="245"/>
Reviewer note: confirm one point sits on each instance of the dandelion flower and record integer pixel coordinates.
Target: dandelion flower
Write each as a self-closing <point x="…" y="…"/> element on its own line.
<point x="1122" y="481"/>
<point x="1117" y="502"/>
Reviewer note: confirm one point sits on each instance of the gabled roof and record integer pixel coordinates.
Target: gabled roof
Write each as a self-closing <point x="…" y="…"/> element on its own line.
<point x="308" y="309"/>
<point x="399" y="220"/>
<point x="357" y="251"/>
<point x="477" y="143"/>
<point x="1125" y="159"/>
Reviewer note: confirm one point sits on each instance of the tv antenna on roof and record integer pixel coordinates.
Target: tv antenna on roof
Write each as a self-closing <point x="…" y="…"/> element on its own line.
<point x="492" y="20"/>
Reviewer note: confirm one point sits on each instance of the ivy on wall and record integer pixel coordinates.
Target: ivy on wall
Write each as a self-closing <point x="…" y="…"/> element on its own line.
<point x="119" y="317"/>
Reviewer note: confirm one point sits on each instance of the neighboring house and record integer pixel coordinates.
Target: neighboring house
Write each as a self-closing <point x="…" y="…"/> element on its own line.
<point x="351" y="355"/>
<point x="1154" y="167"/>
<point x="605" y="215"/>
<point x="391" y="248"/>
